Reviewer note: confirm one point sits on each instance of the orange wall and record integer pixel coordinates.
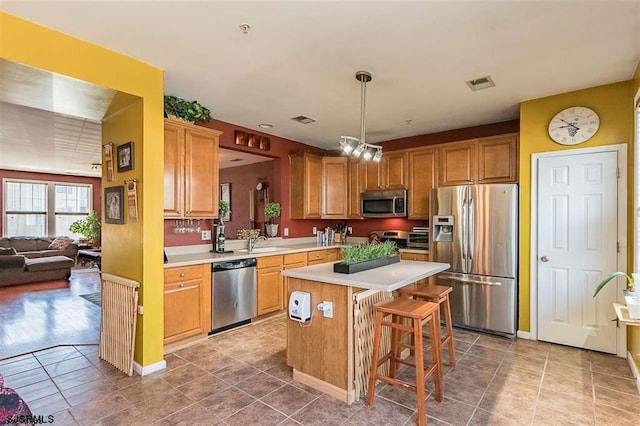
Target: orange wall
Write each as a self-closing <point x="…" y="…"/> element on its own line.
<point x="15" y="174"/>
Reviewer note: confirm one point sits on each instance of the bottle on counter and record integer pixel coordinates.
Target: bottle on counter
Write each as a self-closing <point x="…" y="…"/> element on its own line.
<point x="220" y="242"/>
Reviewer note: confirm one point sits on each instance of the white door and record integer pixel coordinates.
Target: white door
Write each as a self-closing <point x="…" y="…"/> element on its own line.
<point x="577" y="248"/>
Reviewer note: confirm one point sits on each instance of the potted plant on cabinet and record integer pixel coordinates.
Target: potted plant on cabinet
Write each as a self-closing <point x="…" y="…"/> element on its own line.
<point x="271" y="211"/>
<point x="91" y="228"/>
<point x="631" y="296"/>
<point x="183" y="110"/>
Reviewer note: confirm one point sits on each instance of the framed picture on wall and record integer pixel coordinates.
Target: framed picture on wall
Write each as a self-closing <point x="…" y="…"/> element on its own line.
<point x="114" y="205"/>
<point x="125" y="157"/>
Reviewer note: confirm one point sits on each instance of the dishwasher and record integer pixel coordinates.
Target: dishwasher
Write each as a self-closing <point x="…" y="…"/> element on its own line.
<point x="233" y="295"/>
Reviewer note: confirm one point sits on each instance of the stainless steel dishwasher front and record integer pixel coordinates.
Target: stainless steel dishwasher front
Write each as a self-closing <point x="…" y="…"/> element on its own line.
<point x="233" y="295"/>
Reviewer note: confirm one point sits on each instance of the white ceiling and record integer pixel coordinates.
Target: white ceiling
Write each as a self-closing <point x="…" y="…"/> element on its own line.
<point x="300" y="58"/>
<point x="228" y="158"/>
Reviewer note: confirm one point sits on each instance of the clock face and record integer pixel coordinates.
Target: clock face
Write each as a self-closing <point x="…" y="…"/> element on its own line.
<point x="259" y="186"/>
<point x="573" y="125"/>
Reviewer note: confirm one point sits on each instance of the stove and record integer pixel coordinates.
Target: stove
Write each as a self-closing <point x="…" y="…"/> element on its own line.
<point x="399" y="237"/>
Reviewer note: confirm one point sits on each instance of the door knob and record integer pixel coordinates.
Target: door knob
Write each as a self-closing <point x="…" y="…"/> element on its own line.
<point x="544" y="258"/>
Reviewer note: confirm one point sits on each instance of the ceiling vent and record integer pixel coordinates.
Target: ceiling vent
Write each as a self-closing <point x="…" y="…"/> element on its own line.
<point x="235" y="160"/>
<point x="302" y="119"/>
<point x="480" y="83"/>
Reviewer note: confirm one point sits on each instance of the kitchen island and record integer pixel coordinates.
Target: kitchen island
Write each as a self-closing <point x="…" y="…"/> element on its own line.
<point x="333" y="353"/>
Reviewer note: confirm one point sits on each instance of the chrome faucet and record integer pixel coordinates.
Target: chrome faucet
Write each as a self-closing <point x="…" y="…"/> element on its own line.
<point x="253" y="241"/>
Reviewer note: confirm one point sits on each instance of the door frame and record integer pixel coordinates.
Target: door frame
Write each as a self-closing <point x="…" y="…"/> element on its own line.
<point x="621" y="150"/>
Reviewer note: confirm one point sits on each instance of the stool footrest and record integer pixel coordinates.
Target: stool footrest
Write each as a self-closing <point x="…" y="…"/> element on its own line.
<point x="398" y="326"/>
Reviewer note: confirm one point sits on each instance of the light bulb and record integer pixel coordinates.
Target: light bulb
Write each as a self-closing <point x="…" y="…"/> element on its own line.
<point x="367" y="154"/>
<point x="378" y="156"/>
<point x="358" y="151"/>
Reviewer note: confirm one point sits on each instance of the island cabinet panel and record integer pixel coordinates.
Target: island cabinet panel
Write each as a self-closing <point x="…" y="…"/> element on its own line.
<point x="322" y="348"/>
<point x="190" y="170"/>
<point x="335" y="174"/>
<point x="270" y="284"/>
<point x="458" y="163"/>
<point x="497" y="159"/>
<point x="357" y="171"/>
<point x="292" y="261"/>
<point x="423" y="176"/>
<point x="187" y="302"/>
<point x="305" y="188"/>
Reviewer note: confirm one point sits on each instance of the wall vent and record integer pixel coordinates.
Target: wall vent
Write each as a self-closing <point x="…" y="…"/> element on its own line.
<point x="480" y="83"/>
<point x="302" y="119"/>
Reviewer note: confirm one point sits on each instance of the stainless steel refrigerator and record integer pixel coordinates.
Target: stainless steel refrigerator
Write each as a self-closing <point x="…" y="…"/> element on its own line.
<point x="474" y="228"/>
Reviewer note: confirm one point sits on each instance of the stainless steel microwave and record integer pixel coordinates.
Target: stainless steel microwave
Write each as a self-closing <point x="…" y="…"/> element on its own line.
<point x="384" y="203"/>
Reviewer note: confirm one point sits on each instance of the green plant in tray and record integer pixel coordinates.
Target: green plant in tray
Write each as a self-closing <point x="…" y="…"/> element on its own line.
<point x="367" y="251"/>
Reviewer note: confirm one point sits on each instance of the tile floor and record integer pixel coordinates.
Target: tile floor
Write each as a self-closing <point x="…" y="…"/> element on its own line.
<point x="241" y="378"/>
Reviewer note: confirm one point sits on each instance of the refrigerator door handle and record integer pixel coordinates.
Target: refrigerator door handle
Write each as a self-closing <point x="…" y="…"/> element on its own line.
<point x="466" y="280"/>
<point x="471" y="233"/>
<point x="465" y="235"/>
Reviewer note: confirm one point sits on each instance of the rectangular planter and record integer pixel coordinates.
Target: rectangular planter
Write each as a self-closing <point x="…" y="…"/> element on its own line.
<point x="343" y="268"/>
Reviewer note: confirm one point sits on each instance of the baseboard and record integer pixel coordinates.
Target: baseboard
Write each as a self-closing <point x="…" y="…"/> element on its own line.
<point x="523" y="335"/>
<point x="634" y="369"/>
<point x="148" y="369"/>
<point x="319" y="384"/>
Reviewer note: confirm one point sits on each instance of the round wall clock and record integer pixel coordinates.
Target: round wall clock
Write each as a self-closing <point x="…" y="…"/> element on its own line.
<point x="574" y="125"/>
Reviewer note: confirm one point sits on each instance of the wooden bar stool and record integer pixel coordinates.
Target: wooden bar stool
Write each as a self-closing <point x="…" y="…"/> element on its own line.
<point x="438" y="294"/>
<point x="419" y="313"/>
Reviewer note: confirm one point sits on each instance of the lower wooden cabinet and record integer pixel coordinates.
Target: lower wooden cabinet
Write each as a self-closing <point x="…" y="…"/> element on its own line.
<point x="187" y="302"/>
<point x="270" y="284"/>
<point x="292" y="261"/>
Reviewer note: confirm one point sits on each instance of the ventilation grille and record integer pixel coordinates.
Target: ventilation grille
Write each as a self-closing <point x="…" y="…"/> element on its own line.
<point x="303" y="119"/>
<point x="480" y="83"/>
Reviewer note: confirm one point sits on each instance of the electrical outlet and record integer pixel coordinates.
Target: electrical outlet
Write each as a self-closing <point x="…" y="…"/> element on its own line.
<point x="314" y="231"/>
<point x="349" y="230"/>
<point x="326" y="308"/>
<point x="206" y="235"/>
<point x="285" y="231"/>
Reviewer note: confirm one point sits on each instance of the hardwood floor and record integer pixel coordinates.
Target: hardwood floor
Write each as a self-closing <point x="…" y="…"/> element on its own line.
<point x="41" y="315"/>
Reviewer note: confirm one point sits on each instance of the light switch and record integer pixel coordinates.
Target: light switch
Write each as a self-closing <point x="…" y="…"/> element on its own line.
<point x="315" y="230"/>
<point x="286" y="232"/>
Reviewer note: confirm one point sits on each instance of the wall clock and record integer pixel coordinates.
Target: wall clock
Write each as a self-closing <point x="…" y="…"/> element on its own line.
<point x="574" y="125"/>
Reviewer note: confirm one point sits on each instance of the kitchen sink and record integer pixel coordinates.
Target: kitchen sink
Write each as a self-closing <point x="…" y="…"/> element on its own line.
<point x="260" y="250"/>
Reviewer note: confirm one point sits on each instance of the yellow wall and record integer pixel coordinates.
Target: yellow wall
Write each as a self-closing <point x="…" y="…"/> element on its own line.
<point x="613" y="104"/>
<point x="140" y="257"/>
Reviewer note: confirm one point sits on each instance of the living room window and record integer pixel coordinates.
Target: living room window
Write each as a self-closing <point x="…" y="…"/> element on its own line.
<point x="37" y="208"/>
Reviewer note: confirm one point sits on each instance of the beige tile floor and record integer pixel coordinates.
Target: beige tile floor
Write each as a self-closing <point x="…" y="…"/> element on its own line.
<point x="241" y="378"/>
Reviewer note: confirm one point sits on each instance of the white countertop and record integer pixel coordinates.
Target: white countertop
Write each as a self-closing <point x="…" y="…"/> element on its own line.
<point x="386" y="278"/>
<point x="199" y="258"/>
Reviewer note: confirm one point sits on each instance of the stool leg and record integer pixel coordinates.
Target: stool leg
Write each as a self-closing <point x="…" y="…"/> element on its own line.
<point x="447" y="319"/>
<point x="374" y="359"/>
<point x="417" y="333"/>
<point x="436" y="353"/>
<point x="396" y="337"/>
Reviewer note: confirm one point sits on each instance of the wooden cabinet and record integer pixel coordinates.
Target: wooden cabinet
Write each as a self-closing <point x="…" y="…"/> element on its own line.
<point x="316" y="257"/>
<point x="423" y="176"/>
<point x="187" y="302"/>
<point x="356" y="185"/>
<point x="389" y="173"/>
<point x="486" y="160"/>
<point x="190" y="171"/>
<point x="305" y="186"/>
<point x="270" y="284"/>
<point x="333" y="255"/>
<point x="497" y="159"/>
<point x="458" y="163"/>
<point x="335" y="196"/>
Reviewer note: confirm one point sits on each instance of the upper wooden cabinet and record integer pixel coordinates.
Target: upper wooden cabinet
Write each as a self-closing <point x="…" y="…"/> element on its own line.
<point x="190" y="171"/>
<point x="486" y="160"/>
<point x="458" y="163"/>
<point x="497" y="159"/>
<point x="423" y="176"/>
<point x="389" y="173"/>
<point x="305" y="186"/>
<point x="357" y="171"/>
<point x="335" y="193"/>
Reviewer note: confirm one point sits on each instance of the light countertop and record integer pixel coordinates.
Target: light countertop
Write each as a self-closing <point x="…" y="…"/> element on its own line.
<point x="385" y="278"/>
<point x="188" y="259"/>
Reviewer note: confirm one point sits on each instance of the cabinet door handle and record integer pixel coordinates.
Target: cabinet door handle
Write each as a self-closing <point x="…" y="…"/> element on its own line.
<point x="182" y="275"/>
<point x="178" y="211"/>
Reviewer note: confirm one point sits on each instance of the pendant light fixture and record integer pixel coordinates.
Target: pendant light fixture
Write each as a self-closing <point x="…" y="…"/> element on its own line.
<point x="359" y="147"/>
